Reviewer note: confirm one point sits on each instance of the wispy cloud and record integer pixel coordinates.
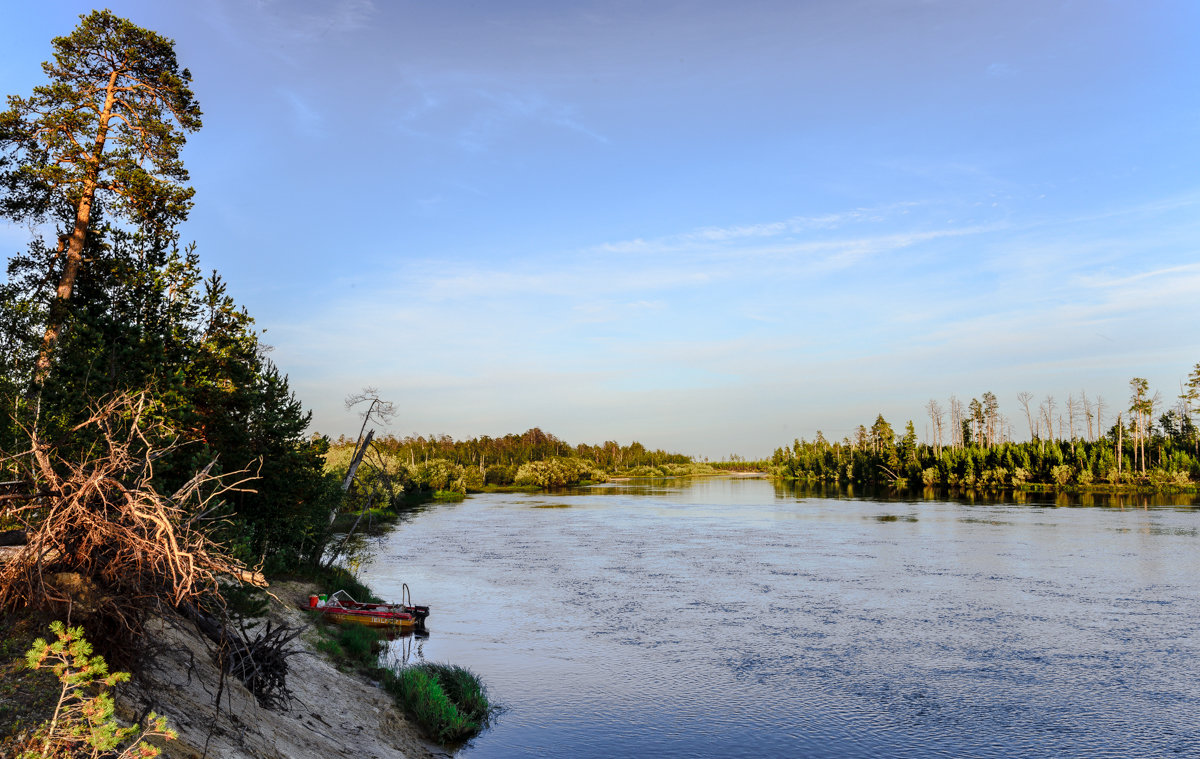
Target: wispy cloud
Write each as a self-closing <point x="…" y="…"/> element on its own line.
<point x="1177" y="278"/>
<point x="475" y="112"/>
<point x="306" y="118"/>
<point x="761" y="310"/>
<point x="498" y="111"/>
<point x="287" y="29"/>
<point x="308" y="22"/>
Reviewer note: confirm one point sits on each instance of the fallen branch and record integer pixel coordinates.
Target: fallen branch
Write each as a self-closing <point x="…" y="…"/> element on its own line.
<point x="103" y="519"/>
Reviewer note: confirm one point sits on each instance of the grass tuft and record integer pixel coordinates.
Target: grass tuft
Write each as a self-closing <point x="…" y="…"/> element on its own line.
<point x="448" y="702"/>
<point x="355" y="647"/>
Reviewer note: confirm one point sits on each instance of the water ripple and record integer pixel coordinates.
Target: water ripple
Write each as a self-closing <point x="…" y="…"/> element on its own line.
<point x="725" y="619"/>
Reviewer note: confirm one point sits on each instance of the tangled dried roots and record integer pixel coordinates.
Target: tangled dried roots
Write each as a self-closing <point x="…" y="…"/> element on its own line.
<point x="103" y="520"/>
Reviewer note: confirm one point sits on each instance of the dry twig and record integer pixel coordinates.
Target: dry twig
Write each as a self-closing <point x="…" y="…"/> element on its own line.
<point x="103" y="519"/>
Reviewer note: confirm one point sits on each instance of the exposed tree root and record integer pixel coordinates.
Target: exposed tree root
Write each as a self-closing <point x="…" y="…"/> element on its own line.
<point x="103" y="545"/>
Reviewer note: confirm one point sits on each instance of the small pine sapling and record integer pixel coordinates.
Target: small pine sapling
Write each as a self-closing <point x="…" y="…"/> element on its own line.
<point x="83" y="724"/>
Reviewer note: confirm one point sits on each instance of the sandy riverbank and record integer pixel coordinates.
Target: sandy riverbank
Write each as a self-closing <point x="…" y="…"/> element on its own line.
<point x="333" y="715"/>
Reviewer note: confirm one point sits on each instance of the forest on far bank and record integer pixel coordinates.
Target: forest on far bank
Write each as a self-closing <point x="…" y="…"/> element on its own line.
<point x="971" y="446"/>
<point x="394" y="469"/>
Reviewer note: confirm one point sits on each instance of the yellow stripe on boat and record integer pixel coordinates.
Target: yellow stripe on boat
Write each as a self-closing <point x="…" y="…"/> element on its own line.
<point x="369" y="620"/>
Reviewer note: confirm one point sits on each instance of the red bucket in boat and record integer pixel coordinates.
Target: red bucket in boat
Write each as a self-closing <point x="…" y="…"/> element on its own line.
<point x="312" y="602"/>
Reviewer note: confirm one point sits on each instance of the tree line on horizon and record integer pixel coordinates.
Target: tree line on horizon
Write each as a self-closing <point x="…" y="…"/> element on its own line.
<point x="971" y="445"/>
<point x="397" y="467"/>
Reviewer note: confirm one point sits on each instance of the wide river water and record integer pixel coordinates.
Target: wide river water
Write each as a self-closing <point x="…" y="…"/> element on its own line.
<point x="733" y="617"/>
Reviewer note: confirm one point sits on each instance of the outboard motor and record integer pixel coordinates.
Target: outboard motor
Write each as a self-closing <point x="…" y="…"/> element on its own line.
<point x="419" y="614"/>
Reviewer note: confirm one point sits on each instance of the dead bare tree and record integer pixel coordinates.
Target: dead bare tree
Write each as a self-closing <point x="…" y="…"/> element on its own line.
<point x="936" y="418"/>
<point x="1025" y="398"/>
<point x="1087" y="413"/>
<point x="1047" y="410"/>
<point x="956" y="419"/>
<point x="1072" y="414"/>
<point x="377" y="409"/>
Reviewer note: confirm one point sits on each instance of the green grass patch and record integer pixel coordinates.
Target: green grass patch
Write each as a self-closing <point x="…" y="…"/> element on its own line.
<point x="448" y="496"/>
<point x="508" y="489"/>
<point x="354" y="647"/>
<point x="368" y="519"/>
<point x="448" y="702"/>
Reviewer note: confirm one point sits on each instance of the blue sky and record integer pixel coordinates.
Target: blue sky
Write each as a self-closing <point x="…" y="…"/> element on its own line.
<point x="705" y="227"/>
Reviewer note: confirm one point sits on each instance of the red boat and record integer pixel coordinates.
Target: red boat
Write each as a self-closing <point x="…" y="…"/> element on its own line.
<point x="343" y="609"/>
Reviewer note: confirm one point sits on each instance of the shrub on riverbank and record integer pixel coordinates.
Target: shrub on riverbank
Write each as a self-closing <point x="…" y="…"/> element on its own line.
<point x="558" y="472"/>
<point x="694" y="469"/>
<point x="449" y="702"/>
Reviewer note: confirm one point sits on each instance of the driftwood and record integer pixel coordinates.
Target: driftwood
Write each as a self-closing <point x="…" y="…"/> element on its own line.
<point x="259" y="662"/>
<point x="101" y="543"/>
<point x="103" y="519"/>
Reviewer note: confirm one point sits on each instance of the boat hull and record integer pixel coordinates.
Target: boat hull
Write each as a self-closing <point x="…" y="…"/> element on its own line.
<point x="367" y="619"/>
<point x="344" y="610"/>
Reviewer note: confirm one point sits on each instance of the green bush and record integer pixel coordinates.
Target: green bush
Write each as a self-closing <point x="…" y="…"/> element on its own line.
<point x="438" y="474"/>
<point x="498" y="474"/>
<point x="558" y="472"/>
<point x="448" y="702"/>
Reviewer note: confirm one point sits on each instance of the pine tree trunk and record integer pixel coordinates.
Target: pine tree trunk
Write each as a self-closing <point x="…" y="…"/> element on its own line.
<point x="83" y="218"/>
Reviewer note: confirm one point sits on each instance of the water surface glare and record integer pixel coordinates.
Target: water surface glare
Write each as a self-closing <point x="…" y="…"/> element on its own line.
<point x="727" y="617"/>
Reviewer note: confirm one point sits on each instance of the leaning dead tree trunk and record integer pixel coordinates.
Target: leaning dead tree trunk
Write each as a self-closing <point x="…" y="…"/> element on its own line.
<point x="354" y="463"/>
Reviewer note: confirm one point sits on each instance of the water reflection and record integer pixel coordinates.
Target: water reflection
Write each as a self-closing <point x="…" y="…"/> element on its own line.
<point x="403" y="648"/>
<point x="1061" y="499"/>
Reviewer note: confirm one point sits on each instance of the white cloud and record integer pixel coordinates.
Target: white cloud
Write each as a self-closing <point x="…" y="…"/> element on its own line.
<point x="864" y="308"/>
<point x="1178" y="280"/>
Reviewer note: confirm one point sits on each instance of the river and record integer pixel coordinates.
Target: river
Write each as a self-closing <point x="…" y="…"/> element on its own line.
<point x="732" y="617"/>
